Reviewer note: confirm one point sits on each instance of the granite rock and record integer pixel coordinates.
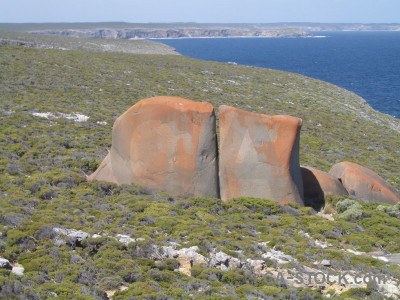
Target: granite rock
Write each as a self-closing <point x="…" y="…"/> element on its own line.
<point x="259" y="156"/>
<point x="318" y="184"/>
<point x="167" y="144"/>
<point x="364" y="183"/>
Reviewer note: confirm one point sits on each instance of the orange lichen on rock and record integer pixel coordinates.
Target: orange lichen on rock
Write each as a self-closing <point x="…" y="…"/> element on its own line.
<point x="364" y="183"/>
<point x="259" y="156"/>
<point x="318" y="184"/>
<point x="167" y="144"/>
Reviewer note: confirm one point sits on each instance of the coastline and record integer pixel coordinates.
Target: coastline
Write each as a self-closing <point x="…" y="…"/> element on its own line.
<point x="229" y="37"/>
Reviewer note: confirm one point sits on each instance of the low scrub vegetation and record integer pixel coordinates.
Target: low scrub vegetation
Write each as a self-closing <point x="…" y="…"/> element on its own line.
<point x="43" y="189"/>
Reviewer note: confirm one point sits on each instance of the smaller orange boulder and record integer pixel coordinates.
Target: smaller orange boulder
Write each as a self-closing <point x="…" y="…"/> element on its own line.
<point x="364" y="183"/>
<point x="318" y="184"/>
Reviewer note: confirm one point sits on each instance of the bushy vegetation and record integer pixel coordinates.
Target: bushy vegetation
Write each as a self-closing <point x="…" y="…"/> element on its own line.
<point x="44" y="163"/>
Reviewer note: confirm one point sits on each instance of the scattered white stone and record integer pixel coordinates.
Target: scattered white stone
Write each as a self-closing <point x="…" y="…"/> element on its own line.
<point x="52" y="294"/>
<point x="57" y="115"/>
<point x="257" y="266"/>
<point x="58" y="242"/>
<point x="101" y="122"/>
<point x="18" y="270"/>
<point x="5" y="263"/>
<point x="233" y="82"/>
<point x="355" y="252"/>
<point x="390" y="289"/>
<point x="324" y="262"/>
<point x="42" y="115"/>
<point x="382" y="258"/>
<point x="79" y="235"/>
<point x="125" y="239"/>
<point x="265" y="244"/>
<point x="189" y="253"/>
<point x="304" y="234"/>
<point x="321" y="244"/>
<point x="278" y="256"/>
<point x="223" y="261"/>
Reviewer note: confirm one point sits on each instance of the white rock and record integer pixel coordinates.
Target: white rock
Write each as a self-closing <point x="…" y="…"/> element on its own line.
<point x="390" y="289"/>
<point x="324" y="262"/>
<point x="189" y="253"/>
<point x="223" y="261"/>
<point x="78" y="235"/>
<point x="77" y="117"/>
<point x="58" y="242"/>
<point x="278" y="256"/>
<point x="382" y="258"/>
<point x="355" y="252"/>
<point x="5" y="263"/>
<point x="18" y="270"/>
<point x="125" y="239"/>
<point x="257" y="266"/>
<point x="321" y="244"/>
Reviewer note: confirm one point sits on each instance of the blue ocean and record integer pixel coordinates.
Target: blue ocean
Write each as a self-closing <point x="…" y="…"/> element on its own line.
<point x="367" y="63"/>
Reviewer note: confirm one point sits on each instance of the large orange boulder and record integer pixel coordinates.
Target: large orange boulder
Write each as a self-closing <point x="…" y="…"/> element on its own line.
<point x="318" y="184"/>
<point x="364" y="183"/>
<point x="259" y="156"/>
<point x="167" y="144"/>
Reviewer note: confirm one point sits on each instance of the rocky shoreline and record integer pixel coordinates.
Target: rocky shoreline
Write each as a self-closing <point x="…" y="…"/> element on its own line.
<point x="185" y="32"/>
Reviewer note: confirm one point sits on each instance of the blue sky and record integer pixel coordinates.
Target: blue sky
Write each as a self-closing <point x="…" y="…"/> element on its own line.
<point x="202" y="11"/>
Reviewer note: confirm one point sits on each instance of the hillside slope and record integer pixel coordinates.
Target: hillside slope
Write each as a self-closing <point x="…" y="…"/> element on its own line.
<point x="71" y="43"/>
<point x="77" y="239"/>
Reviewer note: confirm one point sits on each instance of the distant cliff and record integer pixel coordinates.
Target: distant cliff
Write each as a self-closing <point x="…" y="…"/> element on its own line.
<point x="184" y="32"/>
<point x="122" y="30"/>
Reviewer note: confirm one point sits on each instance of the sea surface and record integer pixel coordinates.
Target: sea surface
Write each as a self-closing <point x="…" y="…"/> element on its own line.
<point x="367" y="63"/>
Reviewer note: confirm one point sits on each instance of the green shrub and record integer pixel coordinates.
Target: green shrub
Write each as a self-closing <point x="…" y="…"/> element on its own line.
<point x="343" y="205"/>
<point x="349" y="210"/>
<point x="110" y="282"/>
<point x="234" y="278"/>
<point x="359" y="293"/>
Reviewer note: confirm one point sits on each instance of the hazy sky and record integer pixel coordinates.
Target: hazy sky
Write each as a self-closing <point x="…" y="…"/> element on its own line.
<point x="211" y="11"/>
